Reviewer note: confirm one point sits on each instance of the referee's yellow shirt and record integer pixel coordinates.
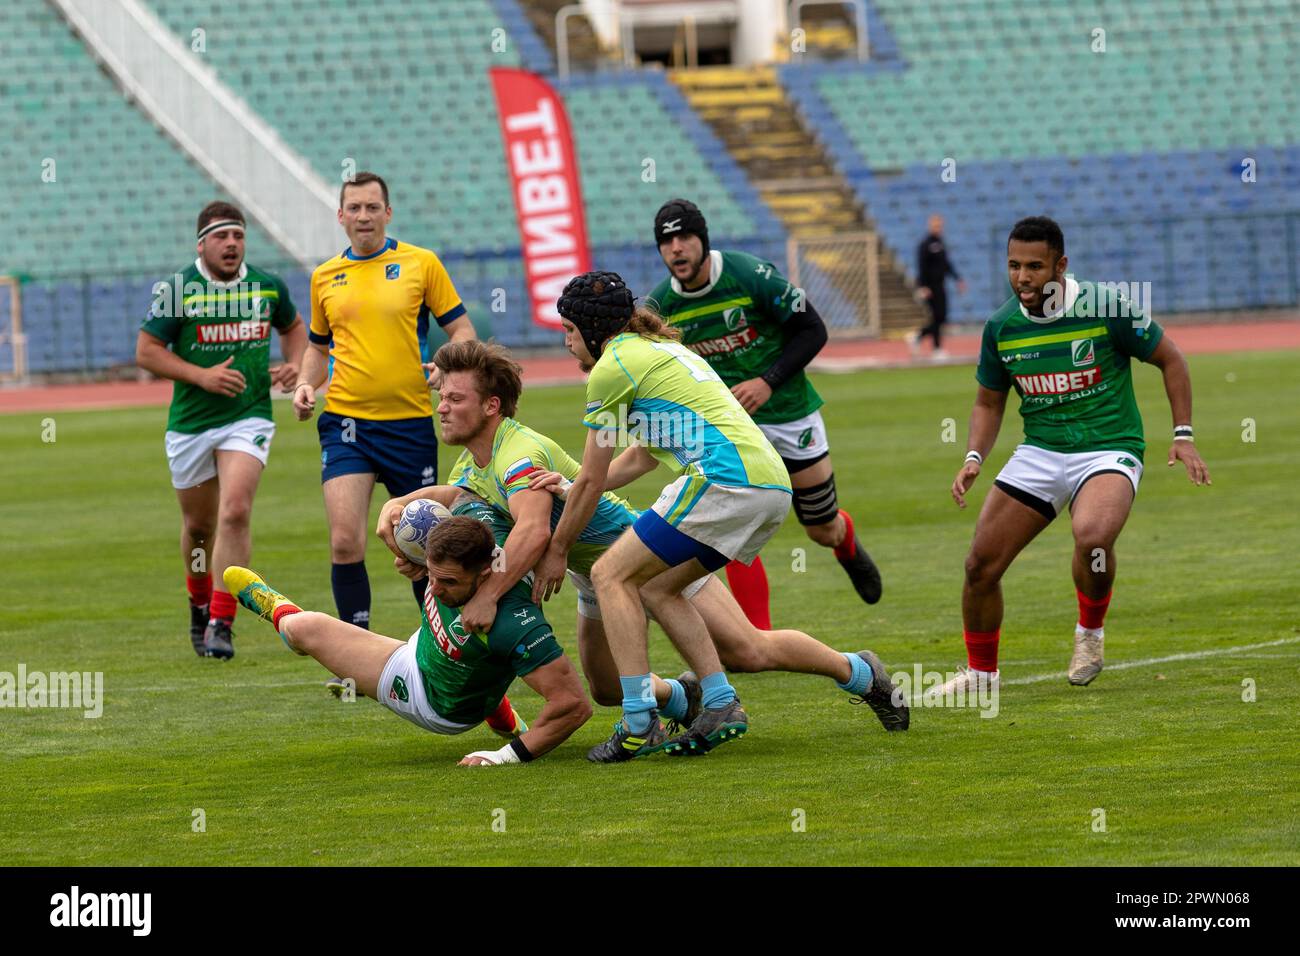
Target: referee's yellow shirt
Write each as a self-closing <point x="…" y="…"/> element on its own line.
<point x="376" y="308"/>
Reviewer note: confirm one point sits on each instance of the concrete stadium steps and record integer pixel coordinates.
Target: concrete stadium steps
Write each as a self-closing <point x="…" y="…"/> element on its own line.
<point x="749" y="111"/>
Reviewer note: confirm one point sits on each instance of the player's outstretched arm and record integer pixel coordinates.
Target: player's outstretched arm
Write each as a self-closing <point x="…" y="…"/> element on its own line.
<point x="524" y="547"/>
<point x="985" y="422"/>
<point x="153" y="355"/>
<point x="579" y="505"/>
<point x="566" y="709"/>
<point x="1169" y="358"/>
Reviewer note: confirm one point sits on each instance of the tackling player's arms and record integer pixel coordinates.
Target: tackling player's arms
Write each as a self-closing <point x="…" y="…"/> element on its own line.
<point x="579" y="505"/>
<point x="524" y="546"/>
<point x="634" y="462"/>
<point x="565" y="709"/>
<point x="629" y="466"/>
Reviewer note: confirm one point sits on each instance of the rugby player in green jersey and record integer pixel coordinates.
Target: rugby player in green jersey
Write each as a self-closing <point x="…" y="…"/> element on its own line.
<point x="1066" y="348"/>
<point x="209" y="330"/>
<point x="509" y="464"/>
<point x="758" y="332"/>
<point x="650" y="393"/>
<point x="446" y="678"/>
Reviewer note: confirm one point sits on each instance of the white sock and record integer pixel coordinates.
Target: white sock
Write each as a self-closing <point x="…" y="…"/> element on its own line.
<point x="1089" y="631"/>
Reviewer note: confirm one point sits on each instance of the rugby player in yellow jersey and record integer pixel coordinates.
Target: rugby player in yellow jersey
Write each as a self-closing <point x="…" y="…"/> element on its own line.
<point x="371" y="306"/>
<point x="511" y="467"/>
<point x="731" y="493"/>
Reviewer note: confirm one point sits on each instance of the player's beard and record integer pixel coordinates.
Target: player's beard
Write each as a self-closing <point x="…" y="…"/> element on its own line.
<point x="219" y="270"/>
<point x="694" y="278"/>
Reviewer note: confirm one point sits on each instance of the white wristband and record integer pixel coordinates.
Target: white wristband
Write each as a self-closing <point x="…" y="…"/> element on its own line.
<point x="507" y="755"/>
<point x="975" y="457"/>
<point x="497" y="757"/>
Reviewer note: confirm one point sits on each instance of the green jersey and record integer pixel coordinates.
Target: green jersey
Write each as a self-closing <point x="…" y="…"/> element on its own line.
<point x="518" y="453"/>
<point x="736" y="322"/>
<point x="660" y="394"/>
<point x="466" y="675"/>
<point x="1071" y="369"/>
<point x="206" y="322"/>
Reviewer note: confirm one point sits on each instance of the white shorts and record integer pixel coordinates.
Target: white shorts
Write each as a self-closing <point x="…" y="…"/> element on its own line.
<point x="1047" y="481"/>
<point x="589" y="607"/>
<point x="401" y="690"/>
<point x="193" y="460"/>
<point x="718" y="524"/>
<point x="800" y="439"/>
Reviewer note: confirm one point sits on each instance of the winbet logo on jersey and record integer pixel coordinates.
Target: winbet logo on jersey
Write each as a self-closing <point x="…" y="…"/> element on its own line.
<point x="1059" y="383"/>
<point x="210" y="333"/>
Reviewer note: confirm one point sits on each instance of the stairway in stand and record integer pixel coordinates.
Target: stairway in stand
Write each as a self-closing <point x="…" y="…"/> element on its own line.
<point x="748" y="110"/>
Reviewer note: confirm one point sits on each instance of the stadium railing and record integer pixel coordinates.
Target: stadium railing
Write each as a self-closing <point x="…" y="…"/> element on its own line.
<point x="1207" y="263"/>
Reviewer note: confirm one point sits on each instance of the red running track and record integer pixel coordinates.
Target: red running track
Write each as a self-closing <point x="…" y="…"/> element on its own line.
<point x="837" y="356"/>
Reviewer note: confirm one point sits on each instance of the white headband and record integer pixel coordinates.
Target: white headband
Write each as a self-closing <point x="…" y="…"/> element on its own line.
<point x="221" y="224"/>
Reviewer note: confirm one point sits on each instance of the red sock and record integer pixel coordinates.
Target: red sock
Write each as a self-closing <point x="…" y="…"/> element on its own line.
<point x="502" y="720"/>
<point x="846" y="548"/>
<point x="982" y="649"/>
<point x="223" y="606"/>
<point x="281" y="611"/>
<point x="1092" y="612"/>
<point x="749" y="587"/>
<point x="200" y="588"/>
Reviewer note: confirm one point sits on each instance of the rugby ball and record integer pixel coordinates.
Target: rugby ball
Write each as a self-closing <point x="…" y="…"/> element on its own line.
<point x="418" y="519"/>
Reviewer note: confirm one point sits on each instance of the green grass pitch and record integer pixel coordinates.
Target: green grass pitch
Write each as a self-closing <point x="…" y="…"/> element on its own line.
<point x="1184" y="770"/>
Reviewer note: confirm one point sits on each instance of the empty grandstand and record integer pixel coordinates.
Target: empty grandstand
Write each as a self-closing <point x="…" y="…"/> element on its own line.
<point x="1162" y="135"/>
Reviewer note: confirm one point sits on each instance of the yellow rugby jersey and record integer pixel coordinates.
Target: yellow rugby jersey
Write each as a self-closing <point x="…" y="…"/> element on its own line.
<point x="376" y="309"/>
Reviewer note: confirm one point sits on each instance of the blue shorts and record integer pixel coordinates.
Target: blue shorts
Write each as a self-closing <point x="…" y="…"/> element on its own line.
<point x="403" y="452"/>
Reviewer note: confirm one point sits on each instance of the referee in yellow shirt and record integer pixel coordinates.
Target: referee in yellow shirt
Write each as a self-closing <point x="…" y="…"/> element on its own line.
<point x="375" y="302"/>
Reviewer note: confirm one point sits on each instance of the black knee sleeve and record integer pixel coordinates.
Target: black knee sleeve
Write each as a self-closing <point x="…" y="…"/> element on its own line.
<point x="817" y="504"/>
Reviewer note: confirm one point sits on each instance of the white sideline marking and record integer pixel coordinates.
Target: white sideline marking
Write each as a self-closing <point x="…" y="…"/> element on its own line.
<point x="1147" y="662"/>
<point x="1034" y="679"/>
<point x="199" y="685"/>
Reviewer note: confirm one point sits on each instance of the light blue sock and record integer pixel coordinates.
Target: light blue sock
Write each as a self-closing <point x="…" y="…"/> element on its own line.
<point x="861" y="678"/>
<point x="717" y="692"/>
<point x="638" y="702"/>
<point x="675" y="709"/>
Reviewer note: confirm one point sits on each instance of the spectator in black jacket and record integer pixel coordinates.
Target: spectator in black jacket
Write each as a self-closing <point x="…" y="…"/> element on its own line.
<point x="932" y="268"/>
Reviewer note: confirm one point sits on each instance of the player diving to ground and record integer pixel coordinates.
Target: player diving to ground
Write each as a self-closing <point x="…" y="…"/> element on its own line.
<point x="509" y="465"/>
<point x="757" y="331"/>
<point x="731" y="494"/>
<point x="1067" y="352"/>
<point x="446" y="678"/>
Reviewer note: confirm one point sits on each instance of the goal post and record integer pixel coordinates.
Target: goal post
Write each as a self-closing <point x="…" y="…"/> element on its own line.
<point x="840" y="275"/>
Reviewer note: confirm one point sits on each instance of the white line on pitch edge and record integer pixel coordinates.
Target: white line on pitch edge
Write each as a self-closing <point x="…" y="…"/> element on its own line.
<point x="1189" y="656"/>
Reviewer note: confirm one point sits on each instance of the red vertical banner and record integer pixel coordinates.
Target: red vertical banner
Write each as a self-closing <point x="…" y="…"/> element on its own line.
<point x="544" y="180"/>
